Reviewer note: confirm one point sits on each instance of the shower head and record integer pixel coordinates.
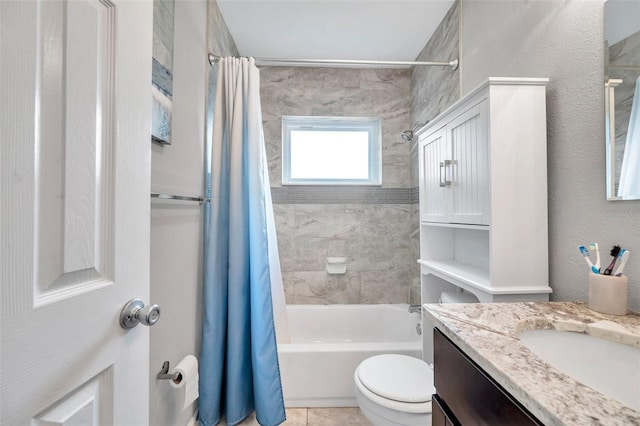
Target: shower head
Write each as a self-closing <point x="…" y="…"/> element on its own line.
<point x="407" y="135"/>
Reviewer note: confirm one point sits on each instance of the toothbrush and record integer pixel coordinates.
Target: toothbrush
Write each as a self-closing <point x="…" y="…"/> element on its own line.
<point x="615" y="252"/>
<point x="585" y="254"/>
<point x="593" y="247"/>
<point x="623" y="261"/>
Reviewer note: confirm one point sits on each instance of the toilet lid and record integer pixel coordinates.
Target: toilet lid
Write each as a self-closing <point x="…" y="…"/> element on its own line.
<point x="398" y="377"/>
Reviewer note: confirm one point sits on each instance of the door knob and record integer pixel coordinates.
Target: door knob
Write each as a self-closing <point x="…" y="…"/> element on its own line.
<point x="134" y="312"/>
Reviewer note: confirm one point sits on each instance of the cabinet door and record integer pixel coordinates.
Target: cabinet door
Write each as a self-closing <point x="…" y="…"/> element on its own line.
<point x="433" y="153"/>
<point x="468" y="193"/>
<point x="468" y="393"/>
<point x="440" y="416"/>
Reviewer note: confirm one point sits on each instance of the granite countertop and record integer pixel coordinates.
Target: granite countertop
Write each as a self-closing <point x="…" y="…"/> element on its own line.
<point x="488" y="333"/>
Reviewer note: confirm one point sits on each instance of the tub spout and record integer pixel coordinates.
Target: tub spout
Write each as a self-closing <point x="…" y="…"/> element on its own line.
<point x="415" y="308"/>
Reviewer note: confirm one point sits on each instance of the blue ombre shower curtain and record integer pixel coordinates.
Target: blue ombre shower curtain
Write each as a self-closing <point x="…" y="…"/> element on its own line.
<point x="239" y="370"/>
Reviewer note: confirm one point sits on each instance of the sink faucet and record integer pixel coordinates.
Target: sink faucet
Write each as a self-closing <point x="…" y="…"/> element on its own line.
<point x="415" y="308"/>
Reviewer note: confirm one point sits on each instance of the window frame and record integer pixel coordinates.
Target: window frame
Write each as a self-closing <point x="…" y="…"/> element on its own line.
<point x="373" y="126"/>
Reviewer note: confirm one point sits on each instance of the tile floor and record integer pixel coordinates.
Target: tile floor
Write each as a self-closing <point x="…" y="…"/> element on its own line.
<point x="318" y="417"/>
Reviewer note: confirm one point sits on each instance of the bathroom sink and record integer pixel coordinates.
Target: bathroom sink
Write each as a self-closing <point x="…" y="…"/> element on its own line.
<point x="610" y="368"/>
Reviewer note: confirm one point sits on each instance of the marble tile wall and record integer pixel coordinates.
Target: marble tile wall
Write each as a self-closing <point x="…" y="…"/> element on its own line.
<point x="370" y="227"/>
<point x="433" y="89"/>
<point x="373" y="238"/>
<point x="339" y="92"/>
<point x="342" y="195"/>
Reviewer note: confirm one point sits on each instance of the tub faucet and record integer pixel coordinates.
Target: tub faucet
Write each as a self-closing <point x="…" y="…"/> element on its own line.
<point x="415" y="308"/>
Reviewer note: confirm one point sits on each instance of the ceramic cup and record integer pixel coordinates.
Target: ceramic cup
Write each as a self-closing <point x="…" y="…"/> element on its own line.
<point x="608" y="294"/>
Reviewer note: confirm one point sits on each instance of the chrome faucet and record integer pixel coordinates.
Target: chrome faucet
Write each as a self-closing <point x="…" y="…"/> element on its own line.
<point x="415" y="308"/>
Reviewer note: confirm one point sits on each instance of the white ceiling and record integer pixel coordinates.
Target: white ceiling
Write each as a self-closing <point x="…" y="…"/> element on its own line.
<point x="333" y="29"/>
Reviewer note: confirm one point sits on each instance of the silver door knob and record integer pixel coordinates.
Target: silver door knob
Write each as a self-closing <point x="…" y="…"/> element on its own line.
<point x="134" y="312"/>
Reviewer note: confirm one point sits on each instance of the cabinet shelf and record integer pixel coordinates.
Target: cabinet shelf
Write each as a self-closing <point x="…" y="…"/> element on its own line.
<point x="471" y="277"/>
<point x="459" y="273"/>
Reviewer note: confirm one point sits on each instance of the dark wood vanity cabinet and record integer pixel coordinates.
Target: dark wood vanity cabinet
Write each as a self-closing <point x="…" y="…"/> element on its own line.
<point x="466" y="395"/>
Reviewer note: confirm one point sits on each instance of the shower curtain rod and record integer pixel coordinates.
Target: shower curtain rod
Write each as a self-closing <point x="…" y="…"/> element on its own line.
<point x="213" y="59"/>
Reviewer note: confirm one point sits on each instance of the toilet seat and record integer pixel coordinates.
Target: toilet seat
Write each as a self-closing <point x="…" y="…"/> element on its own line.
<point x="397" y="382"/>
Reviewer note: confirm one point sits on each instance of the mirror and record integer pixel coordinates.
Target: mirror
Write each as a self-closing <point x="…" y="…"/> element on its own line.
<point x="622" y="98"/>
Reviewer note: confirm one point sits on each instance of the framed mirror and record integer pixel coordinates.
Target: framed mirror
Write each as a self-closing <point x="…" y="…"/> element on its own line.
<point x="622" y="98"/>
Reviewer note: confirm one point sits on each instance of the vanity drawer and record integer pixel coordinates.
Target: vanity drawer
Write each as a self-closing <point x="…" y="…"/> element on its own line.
<point x="473" y="396"/>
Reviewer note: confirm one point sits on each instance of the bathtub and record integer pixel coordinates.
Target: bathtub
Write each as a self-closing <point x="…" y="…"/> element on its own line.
<point x="329" y="341"/>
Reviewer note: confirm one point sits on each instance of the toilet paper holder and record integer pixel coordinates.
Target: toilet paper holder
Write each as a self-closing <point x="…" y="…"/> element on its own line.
<point x="164" y="373"/>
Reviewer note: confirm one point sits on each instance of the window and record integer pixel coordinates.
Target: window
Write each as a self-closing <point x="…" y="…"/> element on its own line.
<point x="331" y="151"/>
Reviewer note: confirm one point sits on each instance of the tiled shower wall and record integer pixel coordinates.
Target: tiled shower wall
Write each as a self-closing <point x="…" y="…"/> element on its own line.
<point x="370" y="226"/>
<point x="434" y="89"/>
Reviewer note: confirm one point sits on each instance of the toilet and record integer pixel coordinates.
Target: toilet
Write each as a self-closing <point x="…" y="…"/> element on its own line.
<point x="396" y="390"/>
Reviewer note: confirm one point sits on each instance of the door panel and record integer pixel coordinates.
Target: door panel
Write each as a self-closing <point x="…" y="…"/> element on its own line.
<point x="90" y="404"/>
<point x="75" y="76"/>
<point x="74" y="187"/>
<point x="432" y="195"/>
<point x="469" y="191"/>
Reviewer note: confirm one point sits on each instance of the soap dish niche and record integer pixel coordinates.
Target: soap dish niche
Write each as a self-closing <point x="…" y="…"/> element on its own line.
<point x="336" y="265"/>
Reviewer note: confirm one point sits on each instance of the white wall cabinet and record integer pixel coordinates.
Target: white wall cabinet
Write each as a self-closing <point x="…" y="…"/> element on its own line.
<point x="455" y="170"/>
<point x="483" y="194"/>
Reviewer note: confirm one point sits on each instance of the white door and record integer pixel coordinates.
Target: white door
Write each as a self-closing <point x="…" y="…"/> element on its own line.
<point x="75" y="127"/>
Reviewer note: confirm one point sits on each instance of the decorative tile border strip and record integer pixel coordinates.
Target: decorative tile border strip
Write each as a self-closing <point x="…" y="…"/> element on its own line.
<point x="342" y="195"/>
<point x="415" y="195"/>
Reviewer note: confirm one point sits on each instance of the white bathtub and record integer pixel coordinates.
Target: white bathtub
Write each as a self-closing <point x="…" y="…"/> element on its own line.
<point x="329" y="341"/>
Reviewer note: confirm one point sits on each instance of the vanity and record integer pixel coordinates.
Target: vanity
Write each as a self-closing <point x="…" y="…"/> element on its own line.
<point x="489" y="369"/>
